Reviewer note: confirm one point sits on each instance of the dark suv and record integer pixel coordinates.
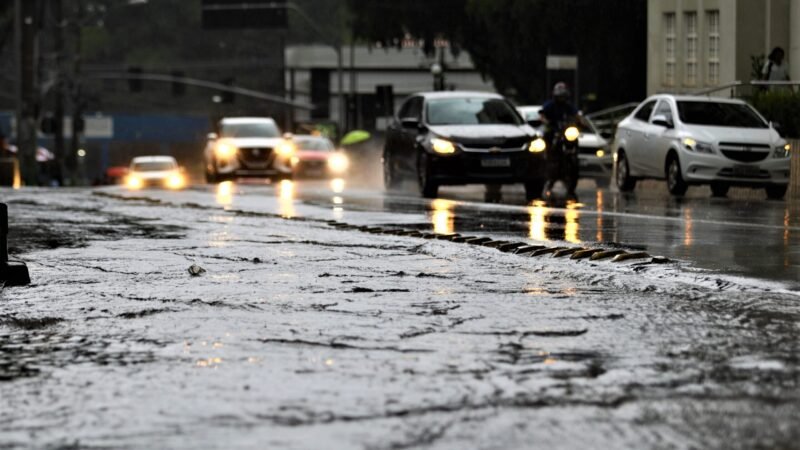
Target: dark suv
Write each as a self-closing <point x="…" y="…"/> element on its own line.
<point x="450" y="138"/>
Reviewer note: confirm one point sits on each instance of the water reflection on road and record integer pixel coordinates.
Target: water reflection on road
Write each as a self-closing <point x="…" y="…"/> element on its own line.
<point x="748" y="236"/>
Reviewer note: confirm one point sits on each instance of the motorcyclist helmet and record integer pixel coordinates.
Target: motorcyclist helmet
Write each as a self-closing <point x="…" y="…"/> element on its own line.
<point x="560" y="90"/>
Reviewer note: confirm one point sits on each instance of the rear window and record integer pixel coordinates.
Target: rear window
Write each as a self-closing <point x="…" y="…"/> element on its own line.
<point x="153" y="166"/>
<point x="314" y="144"/>
<point x="719" y="114"/>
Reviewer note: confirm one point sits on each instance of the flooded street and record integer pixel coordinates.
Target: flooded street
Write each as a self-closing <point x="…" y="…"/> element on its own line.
<point x="303" y="335"/>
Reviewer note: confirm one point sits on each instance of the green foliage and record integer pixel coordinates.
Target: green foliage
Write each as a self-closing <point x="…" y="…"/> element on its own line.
<point x="756" y="65"/>
<point x="781" y="106"/>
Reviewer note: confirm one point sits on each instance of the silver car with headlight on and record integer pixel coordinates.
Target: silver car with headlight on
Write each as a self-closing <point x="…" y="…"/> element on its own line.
<point x="692" y="140"/>
<point x="248" y="147"/>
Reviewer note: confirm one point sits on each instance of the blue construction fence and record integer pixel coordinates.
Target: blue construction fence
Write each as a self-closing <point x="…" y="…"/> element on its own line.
<point x="181" y="136"/>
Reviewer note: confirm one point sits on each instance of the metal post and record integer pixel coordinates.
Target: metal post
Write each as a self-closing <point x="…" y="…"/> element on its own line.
<point x="11" y="273"/>
<point x="340" y="74"/>
<point x="25" y="31"/>
<point x="58" y="110"/>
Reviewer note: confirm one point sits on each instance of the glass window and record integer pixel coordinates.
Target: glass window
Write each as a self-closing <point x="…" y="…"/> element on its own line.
<point x="316" y="144"/>
<point x="249" y="130"/>
<point x="154" y="166"/>
<point x="719" y="114"/>
<point x="471" y="111"/>
<point x="412" y="109"/>
<point x="713" y="46"/>
<point x="664" y="109"/>
<point x="669" y="49"/>
<point x="690" y="19"/>
<point x="643" y="113"/>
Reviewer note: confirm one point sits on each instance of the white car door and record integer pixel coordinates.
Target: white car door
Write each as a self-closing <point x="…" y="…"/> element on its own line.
<point x="634" y="136"/>
<point x="659" y="138"/>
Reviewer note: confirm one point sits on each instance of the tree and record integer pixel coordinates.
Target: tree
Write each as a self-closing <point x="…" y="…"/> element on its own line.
<point x="509" y="40"/>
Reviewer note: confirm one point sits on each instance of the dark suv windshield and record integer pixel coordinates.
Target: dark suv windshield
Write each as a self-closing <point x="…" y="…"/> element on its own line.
<point x="719" y="114"/>
<point x="471" y="111"/>
<point x="249" y="130"/>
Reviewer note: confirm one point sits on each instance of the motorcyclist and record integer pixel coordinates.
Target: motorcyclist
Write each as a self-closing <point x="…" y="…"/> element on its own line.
<point x="555" y="115"/>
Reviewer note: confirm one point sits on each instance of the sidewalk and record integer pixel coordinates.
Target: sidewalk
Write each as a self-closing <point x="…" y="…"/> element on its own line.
<point x="299" y="335"/>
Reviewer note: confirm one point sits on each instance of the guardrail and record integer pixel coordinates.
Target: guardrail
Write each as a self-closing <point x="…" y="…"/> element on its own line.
<point x="794" y="180"/>
<point x="732" y="87"/>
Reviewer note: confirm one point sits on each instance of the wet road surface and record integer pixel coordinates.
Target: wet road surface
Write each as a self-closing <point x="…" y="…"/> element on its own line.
<point x="743" y="235"/>
<point x="300" y="335"/>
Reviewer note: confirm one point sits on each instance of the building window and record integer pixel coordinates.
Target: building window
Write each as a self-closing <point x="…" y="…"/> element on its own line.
<point x="713" y="47"/>
<point x="690" y="19"/>
<point x="669" y="49"/>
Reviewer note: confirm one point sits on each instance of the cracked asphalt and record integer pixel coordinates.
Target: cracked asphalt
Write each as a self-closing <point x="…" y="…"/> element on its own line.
<point x="301" y="335"/>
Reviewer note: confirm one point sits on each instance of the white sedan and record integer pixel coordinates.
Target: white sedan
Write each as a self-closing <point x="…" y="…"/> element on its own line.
<point x="156" y="172"/>
<point x="691" y="140"/>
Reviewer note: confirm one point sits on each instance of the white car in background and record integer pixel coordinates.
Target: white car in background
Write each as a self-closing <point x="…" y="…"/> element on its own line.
<point x="248" y="147"/>
<point x="692" y="140"/>
<point x="155" y="172"/>
<point x="595" y="159"/>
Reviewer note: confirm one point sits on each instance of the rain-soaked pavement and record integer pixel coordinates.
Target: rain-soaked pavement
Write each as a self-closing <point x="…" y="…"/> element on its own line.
<point x="301" y="335"/>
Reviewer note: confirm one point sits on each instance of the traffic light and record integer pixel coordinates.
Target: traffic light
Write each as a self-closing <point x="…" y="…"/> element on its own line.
<point x="178" y="87"/>
<point x="134" y="81"/>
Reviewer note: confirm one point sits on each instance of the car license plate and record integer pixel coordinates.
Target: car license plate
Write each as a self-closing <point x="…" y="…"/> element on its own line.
<point x="496" y="162"/>
<point x="746" y="171"/>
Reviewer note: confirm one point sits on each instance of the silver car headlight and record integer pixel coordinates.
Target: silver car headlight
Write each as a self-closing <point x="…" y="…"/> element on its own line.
<point x="782" y="152"/>
<point x="698" y="147"/>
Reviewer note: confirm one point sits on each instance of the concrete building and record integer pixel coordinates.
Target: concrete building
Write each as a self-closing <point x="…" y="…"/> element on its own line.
<point x="311" y="77"/>
<point x="697" y="44"/>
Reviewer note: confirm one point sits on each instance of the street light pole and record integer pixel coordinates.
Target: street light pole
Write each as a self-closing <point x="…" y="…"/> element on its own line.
<point x="25" y="31"/>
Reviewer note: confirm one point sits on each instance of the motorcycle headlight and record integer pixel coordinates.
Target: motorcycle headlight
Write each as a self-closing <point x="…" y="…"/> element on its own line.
<point x="538" y="145"/>
<point x="699" y="147"/>
<point x="442" y="146"/>
<point x="572" y="134"/>
<point x="782" y="152"/>
<point x="285" y="149"/>
<point x="225" y="150"/>
<point x="338" y="163"/>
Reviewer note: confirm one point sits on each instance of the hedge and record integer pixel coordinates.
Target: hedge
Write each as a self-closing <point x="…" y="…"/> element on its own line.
<point x="781" y="107"/>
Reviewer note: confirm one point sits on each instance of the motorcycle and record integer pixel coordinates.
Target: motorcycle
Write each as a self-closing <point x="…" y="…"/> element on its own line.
<point x="562" y="157"/>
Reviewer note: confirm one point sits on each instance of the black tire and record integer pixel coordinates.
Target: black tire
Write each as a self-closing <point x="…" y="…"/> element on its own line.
<point x="625" y="182"/>
<point x="675" y="182"/>
<point x="719" y="189"/>
<point x="427" y="187"/>
<point x="602" y="183"/>
<point x="390" y="179"/>
<point x="533" y="189"/>
<point x="776" y="191"/>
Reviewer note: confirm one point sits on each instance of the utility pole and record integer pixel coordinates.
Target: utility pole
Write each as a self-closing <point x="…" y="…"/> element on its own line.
<point x="71" y="160"/>
<point x="58" y="90"/>
<point x="25" y="34"/>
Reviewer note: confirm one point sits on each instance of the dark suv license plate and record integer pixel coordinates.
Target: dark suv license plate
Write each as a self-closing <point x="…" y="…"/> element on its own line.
<point x="746" y="171"/>
<point x="496" y="162"/>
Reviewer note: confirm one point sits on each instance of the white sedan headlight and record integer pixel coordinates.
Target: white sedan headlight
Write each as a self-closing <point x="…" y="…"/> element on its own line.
<point x="699" y="147"/>
<point x="782" y="152"/>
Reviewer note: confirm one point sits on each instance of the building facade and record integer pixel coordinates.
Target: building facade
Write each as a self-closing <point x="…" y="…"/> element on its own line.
<point x="700" y="44"/>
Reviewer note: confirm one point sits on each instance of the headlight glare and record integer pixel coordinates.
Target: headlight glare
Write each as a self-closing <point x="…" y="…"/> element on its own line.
<point x="134" y="182"/>
<point x="572" y="134"/>
<point x="442" y="146"/>
<point x="538" y="145"/>
<point x="285" y="149"/>
<point x="175" y="181"/>
<point x="601" y="153"/>
<point x="338" y="163"/>
<point x="225" y="150"/>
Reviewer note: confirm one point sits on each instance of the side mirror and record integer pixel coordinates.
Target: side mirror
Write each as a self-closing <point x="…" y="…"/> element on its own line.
<point x="288" y="136"/>
<point x="212" y="136"/>
<point x="606" y="134"/>
<point x="662" y="121"/>
<point x="410" y="123"/>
